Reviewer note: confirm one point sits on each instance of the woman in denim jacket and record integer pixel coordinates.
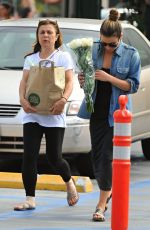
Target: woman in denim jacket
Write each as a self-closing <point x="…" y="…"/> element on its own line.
<point x="117" y="71"/>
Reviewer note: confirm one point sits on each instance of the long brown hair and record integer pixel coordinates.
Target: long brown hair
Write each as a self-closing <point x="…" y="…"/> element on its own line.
<point x="58" y="43"/>
<point x="111" y="26"/>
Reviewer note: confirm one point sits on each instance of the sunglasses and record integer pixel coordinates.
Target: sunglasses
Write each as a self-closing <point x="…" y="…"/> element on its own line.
<point x="112" y="45"/>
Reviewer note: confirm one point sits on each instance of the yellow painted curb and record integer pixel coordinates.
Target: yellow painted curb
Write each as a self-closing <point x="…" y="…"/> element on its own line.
<point x="45" y="182"/>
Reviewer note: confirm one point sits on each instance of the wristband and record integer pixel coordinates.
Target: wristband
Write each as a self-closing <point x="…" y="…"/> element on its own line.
<point x="64" y="98"/>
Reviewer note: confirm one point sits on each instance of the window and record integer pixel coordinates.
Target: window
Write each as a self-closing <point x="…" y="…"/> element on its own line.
<point x="69" y="34"/>
<point x="134" y="39"/>
<point x="15" y="44"/>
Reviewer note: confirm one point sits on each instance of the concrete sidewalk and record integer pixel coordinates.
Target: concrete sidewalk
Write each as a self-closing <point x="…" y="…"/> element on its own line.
<point x="52" y="211"/>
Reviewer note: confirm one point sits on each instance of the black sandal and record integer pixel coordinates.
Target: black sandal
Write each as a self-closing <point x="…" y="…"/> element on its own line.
<point x="98" y="215"/>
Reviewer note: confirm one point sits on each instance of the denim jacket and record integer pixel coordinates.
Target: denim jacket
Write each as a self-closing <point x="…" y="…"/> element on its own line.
<point x="126" y="65"/>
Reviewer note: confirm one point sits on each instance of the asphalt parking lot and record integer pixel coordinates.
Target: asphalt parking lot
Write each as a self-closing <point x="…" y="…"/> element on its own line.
<point x="53" y="213"/>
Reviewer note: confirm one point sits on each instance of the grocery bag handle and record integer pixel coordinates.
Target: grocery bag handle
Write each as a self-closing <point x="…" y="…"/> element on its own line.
<point x="46" y="62"/>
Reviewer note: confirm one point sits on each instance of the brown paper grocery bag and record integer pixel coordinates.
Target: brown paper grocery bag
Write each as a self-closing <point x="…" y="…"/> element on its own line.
<point x="45" y="86"/>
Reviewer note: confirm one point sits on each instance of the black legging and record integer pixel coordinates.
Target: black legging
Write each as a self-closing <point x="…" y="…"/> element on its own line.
<point x="33" y="134"/>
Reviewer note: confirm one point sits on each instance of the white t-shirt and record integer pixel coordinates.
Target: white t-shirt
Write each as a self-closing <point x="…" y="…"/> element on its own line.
<point x="59" y="58"/>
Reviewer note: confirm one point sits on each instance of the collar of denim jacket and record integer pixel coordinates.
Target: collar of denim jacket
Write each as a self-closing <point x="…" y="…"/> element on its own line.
<point x="120" y="49"/>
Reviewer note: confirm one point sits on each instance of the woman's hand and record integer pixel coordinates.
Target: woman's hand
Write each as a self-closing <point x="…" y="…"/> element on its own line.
<point x="81" y="79"/>
<point x="26" y="106"/>
<point x="101" y="75"/>
<point x="58" y="107"/>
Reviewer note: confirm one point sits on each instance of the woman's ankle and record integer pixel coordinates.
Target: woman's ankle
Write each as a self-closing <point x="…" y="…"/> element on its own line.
<point x="30" y="199"/>
<point x="70" y="184"/>
<point x="101" y="207"/>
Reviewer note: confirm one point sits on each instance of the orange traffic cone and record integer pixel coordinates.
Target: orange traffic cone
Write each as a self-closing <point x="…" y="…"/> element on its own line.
<point x="121" y="166"/>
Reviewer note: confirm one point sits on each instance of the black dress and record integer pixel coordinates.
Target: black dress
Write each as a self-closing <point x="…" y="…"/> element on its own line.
<point x="101" y="136"/>
<point x="102" y="101"/>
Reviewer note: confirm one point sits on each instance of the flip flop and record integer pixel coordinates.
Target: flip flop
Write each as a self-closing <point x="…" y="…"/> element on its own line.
<point x="24" y="206"/>
<point x="73" y="195"/>
<point x="98" y="215"/>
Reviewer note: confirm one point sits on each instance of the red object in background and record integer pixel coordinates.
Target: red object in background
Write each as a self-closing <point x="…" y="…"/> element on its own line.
<point x="121" y="166"/>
